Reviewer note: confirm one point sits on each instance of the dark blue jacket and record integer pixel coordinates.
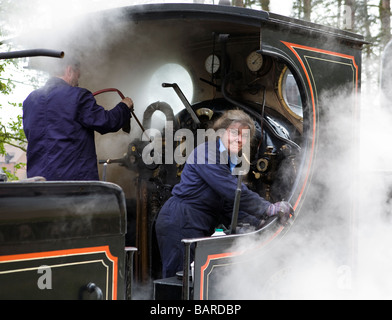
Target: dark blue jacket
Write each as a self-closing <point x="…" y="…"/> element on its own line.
<point x="203" y="198"/>
<point x="208" y="187"/>
<point x="59" y="122"/>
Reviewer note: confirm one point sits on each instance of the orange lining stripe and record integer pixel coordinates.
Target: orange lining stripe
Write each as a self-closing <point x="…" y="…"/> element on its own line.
<point x="292" y="47"/>
<point x="67" y="252"/>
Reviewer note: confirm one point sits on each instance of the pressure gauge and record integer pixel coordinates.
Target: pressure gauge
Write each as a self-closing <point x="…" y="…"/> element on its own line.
<point x="212" y="63"/>
<point x="254" y="61"/>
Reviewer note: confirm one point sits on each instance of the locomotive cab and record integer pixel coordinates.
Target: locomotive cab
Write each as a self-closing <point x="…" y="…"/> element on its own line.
<point x="184" y="65"/>
<point x="223" y="67"/>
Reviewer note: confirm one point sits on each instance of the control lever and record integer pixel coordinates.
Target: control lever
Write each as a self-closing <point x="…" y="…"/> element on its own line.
<point x="236" y="207"/>
<point x="183" y="99"/>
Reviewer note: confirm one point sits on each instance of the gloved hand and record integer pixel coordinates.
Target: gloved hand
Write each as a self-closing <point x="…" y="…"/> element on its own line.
<point x="283" y="209"/>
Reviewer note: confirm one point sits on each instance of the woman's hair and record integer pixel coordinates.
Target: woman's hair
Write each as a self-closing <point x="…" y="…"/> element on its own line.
<point x="235" y="116"/>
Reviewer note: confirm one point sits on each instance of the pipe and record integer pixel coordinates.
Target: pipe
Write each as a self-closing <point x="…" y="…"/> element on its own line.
<point x="126" y="128"/>
<point x="32" y="53"/>
<point x="157" y="106"/>
<point x="109" y="90"/>
<point x="262" y="121"/>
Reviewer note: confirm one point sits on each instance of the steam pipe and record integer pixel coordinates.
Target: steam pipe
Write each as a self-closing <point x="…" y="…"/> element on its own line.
<point x="161" y="106"/>
<point x="155" y="106"/>
<point x="32" y="53"/>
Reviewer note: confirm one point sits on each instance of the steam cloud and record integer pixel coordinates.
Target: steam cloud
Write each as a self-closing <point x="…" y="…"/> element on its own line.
<point x="310" y="265"/>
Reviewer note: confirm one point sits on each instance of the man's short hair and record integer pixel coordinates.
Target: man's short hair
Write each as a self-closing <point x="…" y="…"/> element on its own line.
<point x="61" y="65"/>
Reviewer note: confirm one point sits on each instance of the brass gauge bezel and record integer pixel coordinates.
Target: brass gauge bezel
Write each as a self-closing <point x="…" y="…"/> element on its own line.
<point x="254" y="61"/>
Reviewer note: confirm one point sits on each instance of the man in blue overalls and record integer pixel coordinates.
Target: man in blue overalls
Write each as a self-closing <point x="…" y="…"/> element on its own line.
<point x="59" y="121"/>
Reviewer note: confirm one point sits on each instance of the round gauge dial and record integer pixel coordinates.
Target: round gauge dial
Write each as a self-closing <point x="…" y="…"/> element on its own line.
<point x="212" y="63"/>
<point x="254" y="61"/>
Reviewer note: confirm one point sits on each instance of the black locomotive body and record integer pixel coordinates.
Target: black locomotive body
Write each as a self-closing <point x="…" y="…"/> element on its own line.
<point x="285" y="73"/>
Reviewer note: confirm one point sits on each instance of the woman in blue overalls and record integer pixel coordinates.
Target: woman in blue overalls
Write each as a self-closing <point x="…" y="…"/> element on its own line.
<point x="208" y="185"/>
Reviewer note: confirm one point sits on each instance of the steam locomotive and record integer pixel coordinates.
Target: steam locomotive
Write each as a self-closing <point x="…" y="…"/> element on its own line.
<point x="98" y="239"/>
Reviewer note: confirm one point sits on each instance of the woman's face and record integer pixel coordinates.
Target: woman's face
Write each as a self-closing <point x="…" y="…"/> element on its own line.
<point x="235" y="137"/>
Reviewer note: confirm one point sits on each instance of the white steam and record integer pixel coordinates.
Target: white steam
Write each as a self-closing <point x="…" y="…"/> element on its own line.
<point x="340" y="254"/>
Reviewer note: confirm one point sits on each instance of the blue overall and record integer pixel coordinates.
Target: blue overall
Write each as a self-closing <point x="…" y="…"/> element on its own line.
<point x="59" y="122"/>
<point x="202" y="200"/>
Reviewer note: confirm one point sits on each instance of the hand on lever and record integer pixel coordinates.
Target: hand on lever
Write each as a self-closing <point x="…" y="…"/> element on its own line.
<point x="128" y="101"/>
<point x="282" y="209"/>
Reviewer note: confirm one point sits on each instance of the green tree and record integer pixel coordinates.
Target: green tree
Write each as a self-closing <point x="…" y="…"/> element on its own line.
<point x="11" y="131"/>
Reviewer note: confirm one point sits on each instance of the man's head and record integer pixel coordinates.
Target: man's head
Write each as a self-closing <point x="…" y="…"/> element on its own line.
<point x="72" y="75"/>
<point x="68" y="69"/>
